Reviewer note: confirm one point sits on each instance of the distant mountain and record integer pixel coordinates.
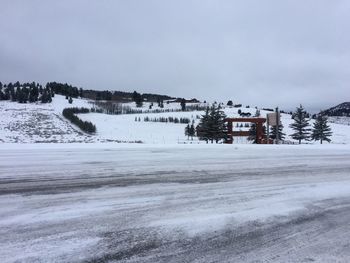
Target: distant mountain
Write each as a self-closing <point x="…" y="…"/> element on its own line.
<point x="342" y="109"/>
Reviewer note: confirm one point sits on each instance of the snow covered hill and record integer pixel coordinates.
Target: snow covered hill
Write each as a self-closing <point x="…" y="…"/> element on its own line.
<point x="342" y="109"/>
<point x="29" y="123"/>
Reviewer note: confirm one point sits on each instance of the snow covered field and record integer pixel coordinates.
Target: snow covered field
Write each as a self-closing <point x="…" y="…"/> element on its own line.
<point x="28" y="123"/>
<point x="174" y="203"/>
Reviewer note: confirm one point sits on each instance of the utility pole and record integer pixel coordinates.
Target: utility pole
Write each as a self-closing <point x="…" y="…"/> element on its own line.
<point x="267" y="131"/>
<point x="277" y="125"/>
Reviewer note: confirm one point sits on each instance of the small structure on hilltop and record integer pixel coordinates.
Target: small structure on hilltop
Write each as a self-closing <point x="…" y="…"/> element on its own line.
<point x="260" y="138"/>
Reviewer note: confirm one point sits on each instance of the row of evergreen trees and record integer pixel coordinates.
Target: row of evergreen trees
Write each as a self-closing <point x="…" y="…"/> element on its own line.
<point x="26" y="92"/>
<point x="65" y="89"/>
<point x="321" y="131"/>
<point x="190" y="131"/>
<point x="212" y="127"/>
<point x="165" y="120"/>
<point x="70" y="114"/>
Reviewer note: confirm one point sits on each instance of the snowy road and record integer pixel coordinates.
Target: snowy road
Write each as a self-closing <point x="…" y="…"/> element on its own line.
<point x="139" y="203"/>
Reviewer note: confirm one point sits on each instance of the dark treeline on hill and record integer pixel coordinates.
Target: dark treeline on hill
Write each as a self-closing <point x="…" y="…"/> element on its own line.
<point x="342" y="109"/>
<point x="65" y="89"/>
<point x="8" y="92"/>
<point x="26" y="92"/>
<point x="70" y="114"/>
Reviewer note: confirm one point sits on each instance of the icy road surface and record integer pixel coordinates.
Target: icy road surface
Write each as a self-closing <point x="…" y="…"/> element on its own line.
<point x="139" y="203"/>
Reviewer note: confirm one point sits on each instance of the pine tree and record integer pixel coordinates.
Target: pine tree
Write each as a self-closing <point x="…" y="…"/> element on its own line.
<point x="187" y="131"/>
<point x="321" y="130"/>
<point x="219" y="129"/>
<point x="257" y="113"/>
<point x="300" y="125"/>
<point x="192" y="131"/>
<point x="44" y="97"/>
<point x="33" y="94"/>
<point x="212" y="126"/>
<point x="70" y="100"/>
<point x="252" y="133"/>
<point x="203" y="126"/>
<point x="273" y="132"/>
<point x="137" y="97"/>
<point x="183" y="104"/>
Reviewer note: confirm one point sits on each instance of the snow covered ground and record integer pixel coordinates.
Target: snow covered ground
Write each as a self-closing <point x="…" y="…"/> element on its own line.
<point x="174" y="203"/>
<point x="340" y="120"/>
<point x="28" y="123"/>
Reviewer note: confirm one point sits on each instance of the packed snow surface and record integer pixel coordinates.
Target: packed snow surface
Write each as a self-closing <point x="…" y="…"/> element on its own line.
<point x="174" y="203"/>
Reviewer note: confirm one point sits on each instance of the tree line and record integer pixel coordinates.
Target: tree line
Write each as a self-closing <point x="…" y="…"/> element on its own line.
<point x="26" y="92"/>
<point x="70" y="114"/>
<point x="68" y="90"/>
<point x="165" y="120"/>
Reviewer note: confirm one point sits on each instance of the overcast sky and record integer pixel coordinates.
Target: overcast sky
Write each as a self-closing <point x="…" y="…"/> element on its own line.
<point x="259" y="52"/>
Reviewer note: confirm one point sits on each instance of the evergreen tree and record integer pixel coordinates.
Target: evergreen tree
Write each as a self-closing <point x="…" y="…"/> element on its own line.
<point x="192" y="131"/>
<point x="46" y="97"/>
<point x="252" y="133"/>
<point x="137" y="97"/>
<point x="70" y="100"/>
<point x="183" y="104"/>
<point x="219" y="129"/>
<point x="257" y="113"/>
<point x="187" y="131"/>
<point x="2" y="95"/>
<point x="17" y="95"/>
<point x="273" y="132"/>
<point x="300" y="125"/>
<point x="230" y="103"/>
<point x="33" y="94"/>
<point x="321" y="130"/>
<point x="49" y="95"/>
<point x="212" y="126"/>
<point x="7" y="94"/>
<point x="203" y="127"/>
<point x="25" y="94"/>
<point x="12" y="92"/>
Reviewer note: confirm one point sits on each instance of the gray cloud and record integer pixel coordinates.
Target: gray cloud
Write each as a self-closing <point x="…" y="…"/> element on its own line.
<point x="263" y="53"/>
